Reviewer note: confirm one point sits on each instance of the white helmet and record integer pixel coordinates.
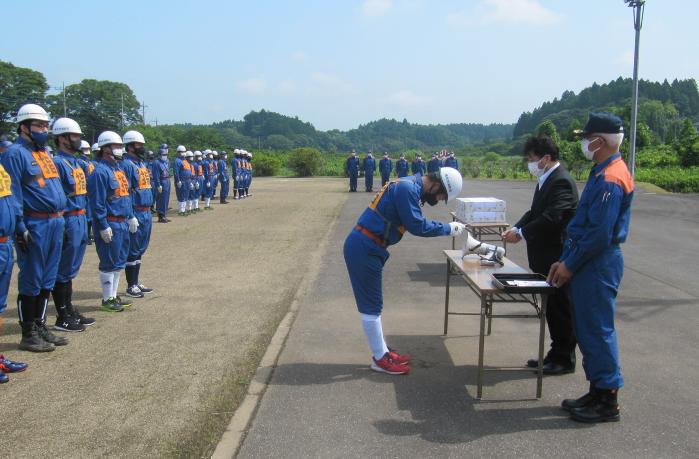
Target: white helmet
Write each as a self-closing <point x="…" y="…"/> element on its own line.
<point x="207" y="151"/>
<point x="109" y="137"/>
<point x="95" y="147"/>
<point x="181" y="148"/>
<point x="188" y="154"/>
<point x="134" y="136"/>
<point x="65" y="126"/>
<point x="236" y="151"/>
<point x="31" y="112"/>
<point x="215" y="153"/>
<point x="84" y="144"/>
<point x="197" y="153"/>
<point x="452" y="181"/>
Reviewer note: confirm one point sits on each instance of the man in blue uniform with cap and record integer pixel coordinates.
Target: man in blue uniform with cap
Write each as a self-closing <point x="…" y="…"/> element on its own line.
<point x="138" y="175"/>
<point x="40" y="227"/>
<point x="8" y="219"/>
<point x="209" y="175"/>
<point x="392" y="212"/>
<point x="434" y="164"/>
<point x="182" y="171"/>
<point x="402" y="167"/>
<point x="451" y="161"/>
<point x="352" y="166"/>
<point x="223" y="177"/>
<point x="112" y="211"/>
<point x="369" y="167"/>
<point x="161" y="182"/>
<point x="66" y="134"/>
<point x="418" y="166"/>
<point x="592" y="266"/>
<point x="385" y="167"/>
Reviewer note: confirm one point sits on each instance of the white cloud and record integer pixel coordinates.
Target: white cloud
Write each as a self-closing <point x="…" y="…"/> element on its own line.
<point x="406" y="98"/>
<point x="374" y="8"/>
<point x="529" y="12"/>
<point x="252" y="85"/>
<point x="299" y="56"/>
<point x="286" y="87"/>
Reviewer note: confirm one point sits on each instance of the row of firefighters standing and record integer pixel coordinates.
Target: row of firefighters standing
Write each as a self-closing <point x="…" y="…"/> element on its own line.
<point x="48" y="203"/>
<point x="418" y="166"/>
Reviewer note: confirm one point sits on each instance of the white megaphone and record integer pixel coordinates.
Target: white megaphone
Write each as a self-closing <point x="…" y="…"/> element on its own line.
<point x="488" y="253"/>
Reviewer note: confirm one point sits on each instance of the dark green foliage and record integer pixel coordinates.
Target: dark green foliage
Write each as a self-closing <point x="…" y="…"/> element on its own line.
<point x="305" y="162"/>
<point x="266" y="165"/>
<point x="18" y="86"/>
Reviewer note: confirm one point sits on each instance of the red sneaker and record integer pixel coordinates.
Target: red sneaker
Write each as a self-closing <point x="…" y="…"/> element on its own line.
<point x="401" y="359"/>
<point x="387" y="365"/>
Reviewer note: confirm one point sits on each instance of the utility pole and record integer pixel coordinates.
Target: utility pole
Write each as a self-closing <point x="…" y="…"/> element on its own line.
<point x="122" y="111"/>
<point x="65" y="111"/>
<point x="638" y="7"/>
<point x="143" y="112"/>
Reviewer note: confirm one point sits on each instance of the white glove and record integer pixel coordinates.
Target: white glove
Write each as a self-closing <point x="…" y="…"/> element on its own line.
<point x="191" y="186"/>
<point x="456" y="228"/>
<point x="160" y="188"/>
<point x="133" y="225"/>
<point x="208" y="184"/>
<point x="179" y="184"/>
<point x="106" y="235"/>
<point x="197" y="185"/>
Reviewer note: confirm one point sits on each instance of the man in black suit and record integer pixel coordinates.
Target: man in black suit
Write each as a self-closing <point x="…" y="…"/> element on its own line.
<point x="543" y="228"/>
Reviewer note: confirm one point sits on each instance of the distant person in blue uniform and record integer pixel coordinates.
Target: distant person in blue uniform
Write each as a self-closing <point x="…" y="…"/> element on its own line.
<point x="451" y="161"/>
<point x="369" y="167"/>
<point x="352" y="166"/>
<point x="39" y="231"/>
<point x="208" y="165"/>
<point x="88" y="167"/>
<point x="402" y="167"/>
<point x="434" y="164"/>
<point x="223" y="177"/>
<point x="197" y="179"/>
<point x="418" y="166"/>
<point x="592" y="266"/>
<point x="161" y="182"/>
<point x="182" y="170"/>
<point x="385" y="168"/>
<point x="214" y="180"/>
<point x="393" y="211"/>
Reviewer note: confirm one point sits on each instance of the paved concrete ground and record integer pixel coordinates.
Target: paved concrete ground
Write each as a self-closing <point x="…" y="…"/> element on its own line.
<point x="163" y="378"/>
<point x="323" y="401"/>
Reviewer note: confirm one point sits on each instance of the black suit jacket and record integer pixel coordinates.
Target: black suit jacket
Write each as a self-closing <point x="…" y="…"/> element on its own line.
<point x="544" y="225"/>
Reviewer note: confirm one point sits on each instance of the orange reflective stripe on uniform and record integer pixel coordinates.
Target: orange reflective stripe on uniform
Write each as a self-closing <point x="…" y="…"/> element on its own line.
<point x="5" y="183"/>
<point x="90" y="168"/>
<point x="123" y="188"/>
<point x="48" y="168"/>
<point x="617" y="172"/>
<point x="80" y="187"/>
<point x="374" y="206"/>
<point x="143" y="178"/>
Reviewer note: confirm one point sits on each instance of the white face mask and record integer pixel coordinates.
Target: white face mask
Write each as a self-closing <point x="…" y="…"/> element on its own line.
<point x="534" y="169"/>
<point x="117" y="152"/>
<point x="585" y="147"/>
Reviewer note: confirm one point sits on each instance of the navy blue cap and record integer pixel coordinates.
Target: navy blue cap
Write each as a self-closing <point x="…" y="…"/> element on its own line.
<point x="163" y="146"/>
<point x="603" y="123"/>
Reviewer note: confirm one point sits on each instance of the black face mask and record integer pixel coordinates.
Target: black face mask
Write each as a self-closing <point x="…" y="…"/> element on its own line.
<point x="139" y="151"/>
<point x="428" y="198"/>
<point x="75" y="144"/>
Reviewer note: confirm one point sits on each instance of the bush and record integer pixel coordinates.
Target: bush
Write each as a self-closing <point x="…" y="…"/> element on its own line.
<point x="266" y="165"/>
<point x="305" y="162"/>
<point x="676" y="179"/>
<point x="660" y="156"/>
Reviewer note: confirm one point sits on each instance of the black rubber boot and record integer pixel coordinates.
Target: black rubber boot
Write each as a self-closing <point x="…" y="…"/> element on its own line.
<point x="605" y="408"/>
<point x="576" y="403"/>
<point x="40" y="321"/>
<point x="31" y="340"/>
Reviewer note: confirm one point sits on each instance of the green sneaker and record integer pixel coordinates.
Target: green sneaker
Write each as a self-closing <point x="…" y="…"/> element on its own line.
<point x="182" y="214"/>
<point x="110" y="305"/>
<point x="125" y="304"/>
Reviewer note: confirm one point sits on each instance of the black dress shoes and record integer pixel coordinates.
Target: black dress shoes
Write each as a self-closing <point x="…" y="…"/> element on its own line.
<point x="552" y="368"/>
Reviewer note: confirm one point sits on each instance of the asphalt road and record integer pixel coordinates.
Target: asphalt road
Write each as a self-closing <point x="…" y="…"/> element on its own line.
<point x="324" y="402"/>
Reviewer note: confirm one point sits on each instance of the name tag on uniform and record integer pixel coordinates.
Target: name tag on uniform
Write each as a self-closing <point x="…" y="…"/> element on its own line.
<point x="80" y="181"/>
<point x="143" y="178"/>
<point x="5" y="183"/>
<point x="123" y="189"/>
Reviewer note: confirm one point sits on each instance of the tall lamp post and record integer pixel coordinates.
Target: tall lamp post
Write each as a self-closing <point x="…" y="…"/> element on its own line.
<point x="638" y="7"/>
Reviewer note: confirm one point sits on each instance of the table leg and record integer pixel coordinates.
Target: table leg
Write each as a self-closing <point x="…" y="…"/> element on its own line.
<point x="490" y="316"/>
<point x="542" y="334"/>
<point x="453" y="244"/>
<point x="481" y="344"/>
<point x="446" y="298"/>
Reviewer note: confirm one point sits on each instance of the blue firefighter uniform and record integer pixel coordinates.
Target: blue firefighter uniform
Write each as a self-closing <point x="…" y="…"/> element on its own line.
<point x="418" y="167"/>
<point x="369" y="167"/>
<point x="198" y="178"/>
<point x="40" y="201"/>
<point x="140" y="188"/>
<point x="223" y="178"/>
<point x="592" y="253"/>
<point x="402" y="168"/>
<point x="8" y="217"/>
<point x="395" y="210"/>
<point x="88" y="165"/>
<point x="385" y="168"/>
<point x="214" y="178"/>
<point x="451" y="162"/>
<point x="161" y="178"/>
<point x="110" y="205"/>
<point x="74" y="181"/>
<point x="209" y="175"/>
<point x="182" y="171"/>
<point x="433" y="165"/>
<point x="249" y="175"/>
<point x="353" y="172"/>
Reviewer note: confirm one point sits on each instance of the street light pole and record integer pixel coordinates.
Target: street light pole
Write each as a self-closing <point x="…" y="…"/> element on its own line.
<point x="638" y="7"/>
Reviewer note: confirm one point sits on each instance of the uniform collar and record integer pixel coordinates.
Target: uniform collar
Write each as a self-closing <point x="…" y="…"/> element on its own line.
<point x="543" y="178"/>
<point x="65" y="154"/>
<point x="599" y="167"/>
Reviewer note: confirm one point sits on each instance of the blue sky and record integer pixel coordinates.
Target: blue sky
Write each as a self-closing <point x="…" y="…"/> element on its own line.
<point x="341" y="63"/>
